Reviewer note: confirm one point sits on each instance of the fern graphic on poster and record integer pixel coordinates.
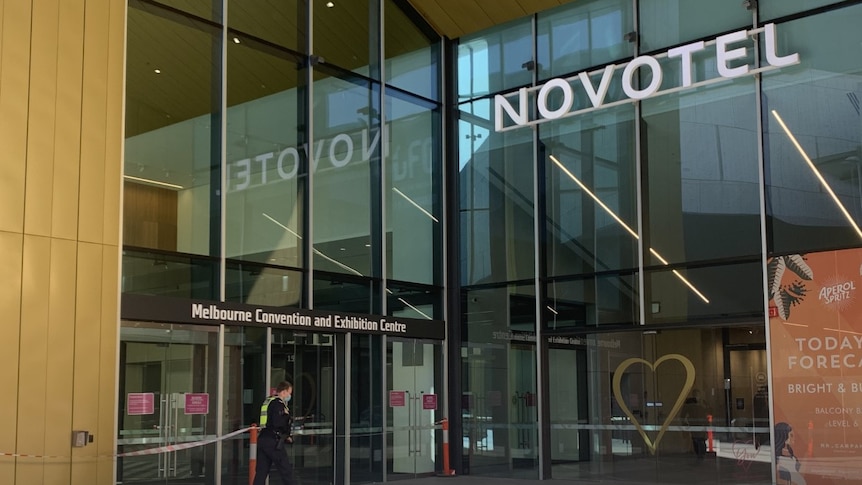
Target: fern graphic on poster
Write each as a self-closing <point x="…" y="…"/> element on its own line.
<point x="787" y="295"/>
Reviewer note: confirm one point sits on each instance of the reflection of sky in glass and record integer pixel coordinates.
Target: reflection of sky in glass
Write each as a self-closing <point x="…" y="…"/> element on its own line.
<point x="473" y="67"/>
<point x="347" y="106"/>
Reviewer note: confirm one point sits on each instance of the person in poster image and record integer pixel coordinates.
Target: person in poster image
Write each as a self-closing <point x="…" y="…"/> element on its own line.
<point x="787" y="472"/>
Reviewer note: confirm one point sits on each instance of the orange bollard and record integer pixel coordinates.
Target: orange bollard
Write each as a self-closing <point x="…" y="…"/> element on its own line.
<point x="446" y="470"/>
<point x="252" y="454"/>
<point x="709" y="446"/>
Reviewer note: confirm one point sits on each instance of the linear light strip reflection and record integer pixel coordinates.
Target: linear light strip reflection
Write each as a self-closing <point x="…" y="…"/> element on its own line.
<point x="625" y="226"/>
<point x="153" y="182"/>
<point x="408" y="199"/>
<point x="317" y="252"/>
<point x="816" y="172"/>
<point x="402" y="300"/>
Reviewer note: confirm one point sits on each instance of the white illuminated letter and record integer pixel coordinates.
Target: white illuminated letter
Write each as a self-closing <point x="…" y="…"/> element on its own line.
<point x="502" y="104"/>
<point x="630" y="71"/>
<point x="723" y="55"/>
<point x="568" y="99"/>
<point x="245" y="173"/>
<point x="262" y="159"/>
<point x="280" y="164"/>
<point x="348" y="153"/>
<point x="685" y="53"/>
<point x="771" y="51"/>
<point x="597" y="97"/>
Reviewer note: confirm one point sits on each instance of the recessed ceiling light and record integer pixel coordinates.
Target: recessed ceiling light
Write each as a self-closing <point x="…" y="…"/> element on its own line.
<point x="236" y="40"/>
<point x="330" y="4"/>
<point x="158" y="71"/>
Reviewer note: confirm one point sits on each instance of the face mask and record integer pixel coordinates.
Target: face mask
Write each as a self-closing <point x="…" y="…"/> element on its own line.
<point x="288" y="398"/>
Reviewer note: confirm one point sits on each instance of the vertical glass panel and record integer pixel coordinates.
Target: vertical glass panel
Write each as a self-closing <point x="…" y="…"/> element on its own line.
<point x="172" y="155"/>
<point x="167" y="274"/>
<point x="567" y="404"/>
<point x="244" y="390"/>
<point x="701" y="175"/>
<point x="660" y="412"/>
<point x="263" y="285"/>
<point x="283" y="23"/>
<point x="413" y="209"/>
<point x="168" y="396"/>
<point x="414" y="301"/>
<point x="412" y="60"/>
<point x="665" y="23"/>
<point x="498" y="404"/>
<point x="812" y="130"/>
<point x="366" y="409"/>
<point x="346" y="295"/>
<point x="347" y="35"/>
<point x="207" y="9"/>
<point x="496" y="206"/>
<point x="345" y="153"/>
<point x="591" y="193"/>
<point x="266" y="155"/>
<point x="771" y="9"/>
<point x="307" y="361"/>
<point x="495" y="60"/>
<point x="591" y="301"/>
<point x="577" y="36"/>
<point x="694" y="294"/>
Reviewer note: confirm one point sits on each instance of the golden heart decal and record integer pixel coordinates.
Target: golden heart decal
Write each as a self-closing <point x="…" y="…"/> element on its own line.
<point x="689" y="382"/>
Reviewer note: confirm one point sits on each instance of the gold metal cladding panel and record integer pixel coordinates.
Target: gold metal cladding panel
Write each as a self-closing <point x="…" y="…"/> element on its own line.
<point x="94" y="122"/>
<point x="38" y="192"/>
<point x="14" y="86"/>
<point x="114" y="133"/>
<point x="67" y="135"/>
<point x="105" y="432"/>
<point x="86" y="391"/>
<point x="11" y="247"/>
<point x="61" y="353"/>
<point x="32" y="369"/>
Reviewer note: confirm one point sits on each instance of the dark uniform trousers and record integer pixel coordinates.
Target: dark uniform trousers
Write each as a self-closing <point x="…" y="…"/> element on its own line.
<point x="269" y="454"/>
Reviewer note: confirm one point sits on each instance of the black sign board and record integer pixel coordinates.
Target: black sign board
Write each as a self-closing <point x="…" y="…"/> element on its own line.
<point x="177" y="310"/>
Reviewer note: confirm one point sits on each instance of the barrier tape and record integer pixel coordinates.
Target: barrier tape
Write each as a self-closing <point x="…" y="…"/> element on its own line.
<point x="148" y="451"/>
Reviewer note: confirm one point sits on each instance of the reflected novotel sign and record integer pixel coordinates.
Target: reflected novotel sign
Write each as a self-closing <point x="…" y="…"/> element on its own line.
<point x="727" y="49"/>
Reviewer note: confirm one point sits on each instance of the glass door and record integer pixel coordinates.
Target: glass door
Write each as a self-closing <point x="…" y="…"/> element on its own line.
<point x="415" y="402"/>
<point x="168" y="381"/>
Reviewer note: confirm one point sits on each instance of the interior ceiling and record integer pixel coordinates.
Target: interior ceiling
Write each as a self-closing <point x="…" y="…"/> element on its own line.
<point x="457" y="18"/>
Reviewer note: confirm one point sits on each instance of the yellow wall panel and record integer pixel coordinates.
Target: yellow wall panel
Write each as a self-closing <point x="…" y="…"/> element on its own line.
<point x="14" y="86"/>
<point x="32" y="370"/>
<point x="38" y="192"/>
<point x="110" y="324"/>
<point x="61" y="354"/>
<point x="85" y="392"/>
<point x="93" y="122"/>
<point x="11" y="247"/>
<point x="113" y="149"/>
<point x="67" y="145"/>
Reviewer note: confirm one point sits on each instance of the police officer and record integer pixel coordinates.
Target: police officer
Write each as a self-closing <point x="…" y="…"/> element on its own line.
<point x="276" y="423"/>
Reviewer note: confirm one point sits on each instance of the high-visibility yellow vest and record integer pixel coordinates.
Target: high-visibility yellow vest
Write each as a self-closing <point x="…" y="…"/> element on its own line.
<point x="263" y="409"/>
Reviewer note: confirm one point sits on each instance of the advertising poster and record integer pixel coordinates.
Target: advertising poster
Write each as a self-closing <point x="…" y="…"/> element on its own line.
<point x="815" y="319"/>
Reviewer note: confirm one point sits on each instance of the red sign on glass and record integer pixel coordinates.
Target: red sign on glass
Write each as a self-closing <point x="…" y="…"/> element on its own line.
<point x="197" y="403"/>
<point x="396" y="398"/>
<point x="140" y="403"/>
<point x="429" y="401"/>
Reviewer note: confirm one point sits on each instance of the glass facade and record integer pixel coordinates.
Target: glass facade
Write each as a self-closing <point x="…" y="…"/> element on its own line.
<point x="597" y="202"/>
<point x="278" y="161"/>
<point x="626" y="170"/>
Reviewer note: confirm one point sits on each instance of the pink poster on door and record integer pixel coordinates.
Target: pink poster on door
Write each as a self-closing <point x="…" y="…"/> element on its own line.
<point x="396" y="398"/>
<point x="197" y="403"/>
<point x="140" y="403"/>
<point x="429" y="401"/>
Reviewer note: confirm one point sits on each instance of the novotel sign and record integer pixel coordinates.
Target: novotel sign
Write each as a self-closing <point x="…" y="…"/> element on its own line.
<point x="727" y="50"/>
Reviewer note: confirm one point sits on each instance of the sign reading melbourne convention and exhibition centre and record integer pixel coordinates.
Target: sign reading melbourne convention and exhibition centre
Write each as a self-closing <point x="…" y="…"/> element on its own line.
<point x="177" y="310"/>
<point x="728" y="48"/>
